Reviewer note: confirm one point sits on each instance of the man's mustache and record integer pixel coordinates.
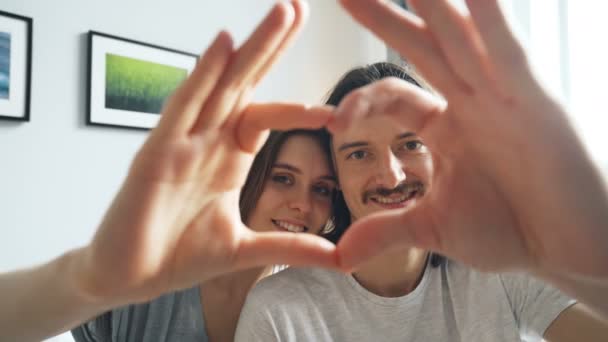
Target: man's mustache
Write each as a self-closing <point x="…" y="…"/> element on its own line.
<point x="400" y="189"/>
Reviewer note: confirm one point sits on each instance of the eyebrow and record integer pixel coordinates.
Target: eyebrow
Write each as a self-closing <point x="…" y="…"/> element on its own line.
<point x="298" y="171"/>
<point x="346" y="146"/>
<point x="405" y="135"/>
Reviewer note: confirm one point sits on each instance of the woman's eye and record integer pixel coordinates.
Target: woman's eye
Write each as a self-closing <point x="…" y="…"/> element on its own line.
<point x="282" y="179"/>
<point x="358" y="155"/>
<point x="322" y="190"/>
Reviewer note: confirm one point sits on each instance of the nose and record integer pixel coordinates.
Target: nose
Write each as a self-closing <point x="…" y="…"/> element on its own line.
<point x="390" y="171"/>
<point x="301" y="201"/>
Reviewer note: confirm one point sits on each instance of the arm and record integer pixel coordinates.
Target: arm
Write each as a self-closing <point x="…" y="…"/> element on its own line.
<point x="175" y="221"/>
<point x="577" y="323"/>
<point x="44" y="301"/>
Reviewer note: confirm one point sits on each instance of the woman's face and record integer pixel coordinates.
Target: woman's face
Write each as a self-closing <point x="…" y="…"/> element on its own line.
<point x="298" y="192"/>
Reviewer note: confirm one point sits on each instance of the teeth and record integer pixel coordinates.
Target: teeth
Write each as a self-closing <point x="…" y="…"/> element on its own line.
<point x="290" y="227"/>
<point x="388" y="200"/>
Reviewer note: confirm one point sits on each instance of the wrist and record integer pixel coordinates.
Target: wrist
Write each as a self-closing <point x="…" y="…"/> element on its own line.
<point x="83" y="281"/>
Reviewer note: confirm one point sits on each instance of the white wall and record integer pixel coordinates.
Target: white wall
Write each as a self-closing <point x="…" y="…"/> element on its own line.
<point x="57" y="176"/>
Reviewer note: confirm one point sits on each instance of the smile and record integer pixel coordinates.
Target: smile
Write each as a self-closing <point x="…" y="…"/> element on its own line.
<point x="396" y="201"/>
<point x="290" y="227"/>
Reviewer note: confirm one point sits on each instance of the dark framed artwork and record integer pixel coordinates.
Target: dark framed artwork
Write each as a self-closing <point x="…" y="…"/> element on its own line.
<point x="15" y="66"/>
<point x="130" y="80"/>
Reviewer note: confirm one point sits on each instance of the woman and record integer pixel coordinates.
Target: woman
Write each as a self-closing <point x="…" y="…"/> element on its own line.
<point x="289" y="187"/>
<point x="175" y="222"/>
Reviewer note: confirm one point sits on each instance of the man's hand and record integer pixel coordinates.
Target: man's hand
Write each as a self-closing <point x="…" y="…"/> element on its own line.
<point x="513" y="186"/>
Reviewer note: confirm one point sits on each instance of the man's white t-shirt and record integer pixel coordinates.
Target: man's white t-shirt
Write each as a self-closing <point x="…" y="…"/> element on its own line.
<point x="451" y="303"/>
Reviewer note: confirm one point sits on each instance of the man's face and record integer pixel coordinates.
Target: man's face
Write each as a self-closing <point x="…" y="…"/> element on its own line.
<point x="381" y="165"/>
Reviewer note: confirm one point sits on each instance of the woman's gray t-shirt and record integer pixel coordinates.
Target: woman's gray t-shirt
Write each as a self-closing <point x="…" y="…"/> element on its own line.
<point x="176" y="316"/>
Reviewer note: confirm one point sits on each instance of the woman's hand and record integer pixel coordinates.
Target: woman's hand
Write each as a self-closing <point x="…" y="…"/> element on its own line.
<point x="176" y="220"/>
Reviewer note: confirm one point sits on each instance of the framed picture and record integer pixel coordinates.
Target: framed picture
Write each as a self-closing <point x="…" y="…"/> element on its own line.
<point x="15" y="66"/>
<point x="129" y="81"/>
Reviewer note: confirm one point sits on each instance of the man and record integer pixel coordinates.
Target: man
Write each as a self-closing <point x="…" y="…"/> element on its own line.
<point x="518" y="189"/>
<point x="383" y="164"/>
<point x="398" y="295"/>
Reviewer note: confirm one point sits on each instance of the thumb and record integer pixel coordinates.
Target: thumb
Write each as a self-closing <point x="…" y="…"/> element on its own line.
<point x="372" y="235"/>
<point x="297" y="249"/>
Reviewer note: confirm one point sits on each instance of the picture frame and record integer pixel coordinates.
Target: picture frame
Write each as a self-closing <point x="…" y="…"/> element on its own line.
<point x="129" y="80"/>
<point x="15" y="66"/>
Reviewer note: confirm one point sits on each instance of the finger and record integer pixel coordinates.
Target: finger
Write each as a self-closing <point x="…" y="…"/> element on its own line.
<point x="301" y="11"/>
<point x="505" y="51"/>
<point x="405" y="102"/>
<point x="185" y="104"/>
<point x="300" y="15"/>
<point x="373" y="235"/>
<point x="458" y="38"/>
<point x="283" y="248"/>
<point x="352" y="108"/>
<point x="258" y="119"/>
<point x="246" y="63"/>
<point x="409" y="35"/>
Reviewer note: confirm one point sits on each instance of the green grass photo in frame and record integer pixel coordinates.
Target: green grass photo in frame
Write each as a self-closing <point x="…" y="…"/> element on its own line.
<point x="140" y="86"/>
<point x="129" y="81"/>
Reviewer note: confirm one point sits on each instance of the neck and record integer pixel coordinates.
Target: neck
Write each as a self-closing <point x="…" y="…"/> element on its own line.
<point x="394" y="273"/>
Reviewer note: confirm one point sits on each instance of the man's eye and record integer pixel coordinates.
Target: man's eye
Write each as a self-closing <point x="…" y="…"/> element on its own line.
<point x="357" y="155"/>
<point x="413" y="145"/>
<point x="282" y="179"/>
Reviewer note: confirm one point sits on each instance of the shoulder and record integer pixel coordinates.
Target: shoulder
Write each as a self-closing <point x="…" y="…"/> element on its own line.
<point x="459" y="274"/>
<point x="464" y="284"/>
<point x="295" y="284"/>
<point x="285" y="303"/>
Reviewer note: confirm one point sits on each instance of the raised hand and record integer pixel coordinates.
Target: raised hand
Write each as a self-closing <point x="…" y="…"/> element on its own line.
<point x="513" y="187"/>
<point x="176" y="220"/>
